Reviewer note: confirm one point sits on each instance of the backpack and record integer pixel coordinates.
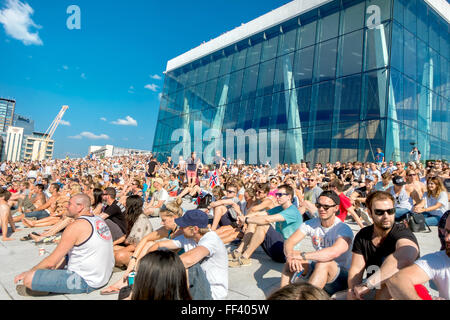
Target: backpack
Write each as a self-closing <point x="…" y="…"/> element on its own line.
<point x="417" y="223"/>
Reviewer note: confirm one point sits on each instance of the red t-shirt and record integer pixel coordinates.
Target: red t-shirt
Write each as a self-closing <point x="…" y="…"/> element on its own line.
<point x="343" y="206"/>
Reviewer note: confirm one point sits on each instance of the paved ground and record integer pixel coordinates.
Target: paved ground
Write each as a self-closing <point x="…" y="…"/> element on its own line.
<point x="253" y="282"/>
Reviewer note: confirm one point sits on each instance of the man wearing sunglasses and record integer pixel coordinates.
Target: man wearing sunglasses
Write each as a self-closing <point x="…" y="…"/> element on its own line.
<point x="327" y="267"/>
<point x="312" y="191"/>
<point x="381" y="249"/>
<point x="287" y="219"/>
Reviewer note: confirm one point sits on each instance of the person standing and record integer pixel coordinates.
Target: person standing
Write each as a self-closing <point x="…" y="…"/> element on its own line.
<point x="193" y="163"/>
<point x="379" y="157"/>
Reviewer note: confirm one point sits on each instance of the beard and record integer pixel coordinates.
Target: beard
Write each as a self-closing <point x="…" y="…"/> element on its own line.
<point x="382" y="226"/>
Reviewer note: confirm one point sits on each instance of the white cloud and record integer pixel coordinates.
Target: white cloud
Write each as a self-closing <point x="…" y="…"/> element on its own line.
<point x="64" y="123"/>
<point x="83" y="75"/>
<point x="16" y="19"/>
<point x="65" y="67"/>
<point x="152" y="87"/>
<point x="131" y="89"/>
<point x="103" y="119"/>
<point x="129" y="121"/>
<point x="90" y="135"/>
<point x="156" y="77"/>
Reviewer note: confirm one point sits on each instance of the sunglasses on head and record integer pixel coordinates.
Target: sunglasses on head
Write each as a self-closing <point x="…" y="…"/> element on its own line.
<point x="380" y="212"/>
<point x="326" y="207"/>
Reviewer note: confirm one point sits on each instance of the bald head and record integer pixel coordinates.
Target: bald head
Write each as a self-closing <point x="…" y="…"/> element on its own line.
<point x="78" y="205"/>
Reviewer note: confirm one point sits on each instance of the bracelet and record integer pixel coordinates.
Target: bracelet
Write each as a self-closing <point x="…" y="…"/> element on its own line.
<point x="246" y="220"/>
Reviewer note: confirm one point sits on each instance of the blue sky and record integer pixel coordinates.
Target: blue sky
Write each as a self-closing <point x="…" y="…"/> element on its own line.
<point x="102" y="70"/>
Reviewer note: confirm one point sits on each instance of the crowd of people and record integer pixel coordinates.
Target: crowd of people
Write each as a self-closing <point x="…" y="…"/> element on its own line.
<point x="99" y="212"/>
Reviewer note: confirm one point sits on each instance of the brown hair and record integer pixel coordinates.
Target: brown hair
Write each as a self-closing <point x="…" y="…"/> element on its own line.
<point x="439" y="186"/>
<point x="378" y="195"/>
<point x="338" y="184"/>
<point x="299" y="291"/>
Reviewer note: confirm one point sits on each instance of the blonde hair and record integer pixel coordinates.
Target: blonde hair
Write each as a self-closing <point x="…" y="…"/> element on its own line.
<point x="172" y="209"/>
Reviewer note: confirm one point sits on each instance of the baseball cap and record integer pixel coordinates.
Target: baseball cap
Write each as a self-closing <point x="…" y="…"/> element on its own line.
<point x="398" y="181"/>
<point x="332" y="195"/>
<point x="195" y="218"/>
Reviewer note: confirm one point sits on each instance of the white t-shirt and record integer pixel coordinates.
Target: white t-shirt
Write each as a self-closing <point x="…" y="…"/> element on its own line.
<point x="186" y="244"/>
<point x="160" y="195"/>
<point x="322" y="237"/>
<point x="215" y="265"/>
<point x="430" y="201"/>
<point x="437" y="267"/>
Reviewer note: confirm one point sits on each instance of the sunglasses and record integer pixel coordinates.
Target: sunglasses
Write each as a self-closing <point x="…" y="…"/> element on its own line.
<point x="412" y="175"/>
<point x="326" y="207"/>
<point x="279" y="194"/>
<point x="310" y="180"/>
<point x="380" y="212"/>
<point x="231" y="191"/>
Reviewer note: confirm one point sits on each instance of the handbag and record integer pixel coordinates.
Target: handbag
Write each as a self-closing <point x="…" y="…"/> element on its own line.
<point x="417" y="223"/>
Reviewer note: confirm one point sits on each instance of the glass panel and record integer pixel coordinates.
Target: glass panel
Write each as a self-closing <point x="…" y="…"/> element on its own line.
<point x="410" y="16"/>
<point x="269" y="50"/>
<point x="377" y="47"/>
<point x="223" y="84"/>
<point x="445" y="78"/>
<point x="444" y="43"/>
<point x="397" y="47"/>
<point x="410" y="103"/>
<point x="303" y="66"/>
<point x="322" y="112"/>
<point x="328" y="27"/>
<point x="250" y="82"/>
<point x="278" y="118"/>
<point x="214" y="68"/>
<point x="422" y="63"/>
<point x="210" y="92"/>
<point x="304" y="101"/>
<point x="307" y="35"/>
<point x="344" y="143"/>
<point x="399" y="10"/>
<point x="235" y="86"/>
<point x="265" y="78"/>
<point x="225" y="65"/>
<point x="281" y="69"/>
<point x="435" y="68"/>
<point x="287" y="42"/>
<point x="352" y="18"/>
<point x="348" y="99"/>
<point x="409" y="54"/>
<point x="433" y="30"/>
<point x="239" y="60"/>
<point x="202" y="73"/>
<point x="253" y="54"/>
<point x="374" y="95"/>
<point x="371" y="136"/>
<point x="422" y="21"/>
<point x="350" y="53"/>
<point x="326" y="63"/>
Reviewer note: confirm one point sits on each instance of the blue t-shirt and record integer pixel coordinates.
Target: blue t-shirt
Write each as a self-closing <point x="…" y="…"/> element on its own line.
<point x="379" y="157"/>
<point x="293" y="220"/>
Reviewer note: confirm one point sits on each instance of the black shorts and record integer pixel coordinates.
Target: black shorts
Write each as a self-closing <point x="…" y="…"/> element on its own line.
<point x="227" y="220"/>
<point x="273" y="245"/>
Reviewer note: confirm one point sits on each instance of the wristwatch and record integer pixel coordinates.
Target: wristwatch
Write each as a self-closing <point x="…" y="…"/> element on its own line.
<point x="303" y="254"/>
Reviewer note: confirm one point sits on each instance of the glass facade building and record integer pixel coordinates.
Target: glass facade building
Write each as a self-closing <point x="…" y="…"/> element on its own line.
<point x="337" y="81"/>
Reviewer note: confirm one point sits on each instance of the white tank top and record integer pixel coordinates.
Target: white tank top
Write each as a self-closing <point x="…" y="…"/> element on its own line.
<point x="93" y="260"/>
<point x="402" y="201"/>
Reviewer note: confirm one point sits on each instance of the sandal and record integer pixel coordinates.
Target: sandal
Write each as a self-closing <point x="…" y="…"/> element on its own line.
<point x="26" y="238"/>
<point x="110" y="291"/>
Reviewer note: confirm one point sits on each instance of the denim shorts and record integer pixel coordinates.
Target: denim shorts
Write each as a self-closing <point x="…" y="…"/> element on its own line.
<point x="59" y="281"/>
<point x="37" y="214"/>
<point x="339" y="282"/>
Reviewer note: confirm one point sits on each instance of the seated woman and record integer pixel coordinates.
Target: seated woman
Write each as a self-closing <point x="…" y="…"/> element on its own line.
<point x="97" y="201"/>
<point x="138" y="226"/>
<point x="135" y="188"/>
<point x="160" y="276"/>
<point x="169" y="229"/>
<point x="434" y="203"/>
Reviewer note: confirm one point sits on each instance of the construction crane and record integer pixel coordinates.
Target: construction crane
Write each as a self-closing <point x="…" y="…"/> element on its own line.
<point x="49" y="133"/>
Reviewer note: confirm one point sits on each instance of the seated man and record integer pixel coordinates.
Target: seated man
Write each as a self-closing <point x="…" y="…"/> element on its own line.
<point x="159" y="197"/>
<point x="359" y="196"/>
<point x="345" y="205"/>
<point x="311" y="194"/>
<point x="381" y="249"/>
<point x="434" y="266"/>
<point x="331" y="238"/>
<point x="222" y="207"/>
<point x="202" y="247"/>
<point x="5" y="215"/>
<point x="287" y="218"/>
<point x="90" y="259"/>
<point x="114" y="214"/>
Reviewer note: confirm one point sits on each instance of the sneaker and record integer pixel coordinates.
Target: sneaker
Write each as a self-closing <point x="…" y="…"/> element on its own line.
<point x="233" y="255"/>
<point x="365" y="217"/>
<point x="240" y="262"/>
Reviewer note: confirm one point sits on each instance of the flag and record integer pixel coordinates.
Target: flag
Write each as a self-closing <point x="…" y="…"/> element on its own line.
<point x="213" y="180"/>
